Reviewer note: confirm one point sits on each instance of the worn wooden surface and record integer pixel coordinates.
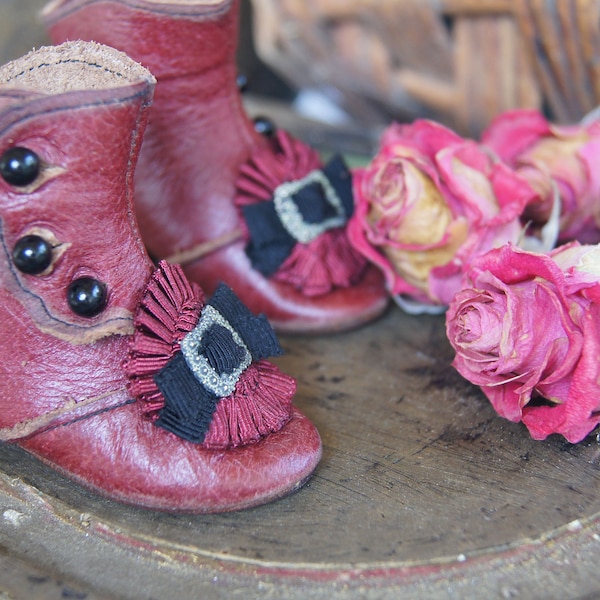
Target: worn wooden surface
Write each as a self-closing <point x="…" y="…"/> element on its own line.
<point x="423" y="492"/>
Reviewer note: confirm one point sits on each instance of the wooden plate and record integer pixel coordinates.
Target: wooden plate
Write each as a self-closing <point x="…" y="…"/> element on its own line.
<point x="422" y="489"/>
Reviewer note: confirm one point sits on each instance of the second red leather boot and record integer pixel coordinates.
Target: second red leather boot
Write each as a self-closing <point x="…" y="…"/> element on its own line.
<point x="212" y="193"/>
<point x="116" y="374"/>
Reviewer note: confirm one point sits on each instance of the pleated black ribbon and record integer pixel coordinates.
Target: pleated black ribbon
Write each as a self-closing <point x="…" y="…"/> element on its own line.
<point x="299" y="211"/>
<point x="213" y="356"/>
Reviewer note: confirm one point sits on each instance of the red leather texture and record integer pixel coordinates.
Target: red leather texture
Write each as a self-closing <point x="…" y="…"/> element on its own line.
<point x="198" y="136"/>
<point x="62" y="386"/>
<point x="128" y="459"/>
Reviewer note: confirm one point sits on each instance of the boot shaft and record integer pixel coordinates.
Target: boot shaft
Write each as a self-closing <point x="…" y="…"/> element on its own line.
<point x="198" y="133"/>
<point x="172" y="38"/>
<point x="79" y="110"/>
<point x="83" y="124"/>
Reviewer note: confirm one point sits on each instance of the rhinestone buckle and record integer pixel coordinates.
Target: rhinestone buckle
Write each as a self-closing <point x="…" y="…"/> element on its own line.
<point x="220" y="385"/>
<point x="290" y="215"/>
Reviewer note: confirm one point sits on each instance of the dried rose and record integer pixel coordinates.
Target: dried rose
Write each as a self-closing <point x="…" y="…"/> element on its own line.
<point x="566" y="156"/>
<point x="581" y="265"/>
<point x="428" y="203"/>
<point x="525" y="328"/>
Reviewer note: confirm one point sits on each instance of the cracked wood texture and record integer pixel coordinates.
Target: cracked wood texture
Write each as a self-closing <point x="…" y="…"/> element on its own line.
<point x="423" y="492"/>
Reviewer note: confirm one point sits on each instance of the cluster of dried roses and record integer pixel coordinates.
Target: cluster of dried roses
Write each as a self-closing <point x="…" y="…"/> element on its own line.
<point x="473" y="227"/>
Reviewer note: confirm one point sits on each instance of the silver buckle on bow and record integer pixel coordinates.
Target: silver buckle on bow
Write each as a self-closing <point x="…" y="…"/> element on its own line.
<point x="290" y="215"/>
<point x="220" y="385"/>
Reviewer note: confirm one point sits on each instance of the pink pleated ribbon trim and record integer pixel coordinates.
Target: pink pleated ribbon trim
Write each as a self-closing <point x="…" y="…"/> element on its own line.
<point x="169" y="310"/>
<point x="328" y="261"/>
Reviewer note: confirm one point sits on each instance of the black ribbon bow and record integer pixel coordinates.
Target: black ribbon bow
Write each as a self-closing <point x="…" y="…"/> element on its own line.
<point x="227" y="338"/>
<point x="299" y="211"/>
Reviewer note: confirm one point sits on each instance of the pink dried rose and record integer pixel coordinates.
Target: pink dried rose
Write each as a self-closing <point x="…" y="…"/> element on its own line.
<point x="526" y="329"/>
<point x="554" y="158"/>
<point x="427" y="204"/>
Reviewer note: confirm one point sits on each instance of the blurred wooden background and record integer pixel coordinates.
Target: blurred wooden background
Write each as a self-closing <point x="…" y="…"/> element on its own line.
<point x="459" y="61"/>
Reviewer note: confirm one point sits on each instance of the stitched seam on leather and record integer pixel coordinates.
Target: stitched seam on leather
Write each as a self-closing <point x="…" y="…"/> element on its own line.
<point x="83" y="328"/>
<point x="64" y="62"/>
<point x="47" y="421"/>
<point x="88" y="415"/>
<point x="57" y="109"/>
<point x="190" y="255"/>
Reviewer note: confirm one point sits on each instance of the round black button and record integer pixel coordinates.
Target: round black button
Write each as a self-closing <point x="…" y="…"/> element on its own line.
<point x="19" y="166"/>
<point x="264" y="126"/>
<point x="32" y="254"/>
<point x="87" y="296"/>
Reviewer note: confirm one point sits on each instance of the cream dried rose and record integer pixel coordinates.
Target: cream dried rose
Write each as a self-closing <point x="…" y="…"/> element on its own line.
<point x="428" y="203"/>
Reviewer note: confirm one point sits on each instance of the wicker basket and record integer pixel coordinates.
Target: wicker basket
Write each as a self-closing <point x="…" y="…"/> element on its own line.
<point x="459" y="61"/>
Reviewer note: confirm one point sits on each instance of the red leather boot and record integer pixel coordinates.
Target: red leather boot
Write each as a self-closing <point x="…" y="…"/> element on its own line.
<point x="117" y="374"/>
<point x="209" y="190"/>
